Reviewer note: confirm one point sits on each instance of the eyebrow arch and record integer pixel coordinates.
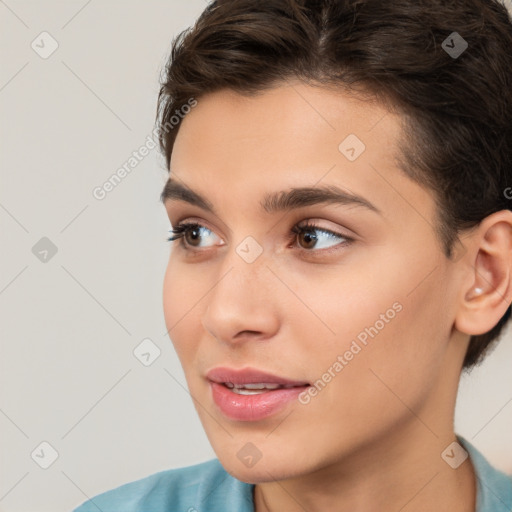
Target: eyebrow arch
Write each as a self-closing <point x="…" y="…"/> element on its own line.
<point x="274" y="202"/>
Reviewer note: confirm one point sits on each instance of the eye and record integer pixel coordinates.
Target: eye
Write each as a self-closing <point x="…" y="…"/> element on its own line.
<point x="191" y="234"/>
<point x="309" y="237"/>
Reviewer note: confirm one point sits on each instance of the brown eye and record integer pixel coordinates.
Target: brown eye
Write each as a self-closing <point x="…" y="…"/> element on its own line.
<point x="192" y="235"/>
<point x="310" y="237"/>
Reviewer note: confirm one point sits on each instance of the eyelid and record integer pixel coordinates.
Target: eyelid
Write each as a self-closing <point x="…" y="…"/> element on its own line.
<point x="313" y="226"/>
<point x="188" y="213"/>
<point x="181" y="228"/>
<point x="193" y="221"/>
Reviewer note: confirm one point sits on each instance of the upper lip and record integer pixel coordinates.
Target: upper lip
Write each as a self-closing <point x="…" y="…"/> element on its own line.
<point x="222" y="375"/>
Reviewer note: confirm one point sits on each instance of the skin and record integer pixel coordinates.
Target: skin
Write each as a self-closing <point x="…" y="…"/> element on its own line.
<point x="372" y="438"/>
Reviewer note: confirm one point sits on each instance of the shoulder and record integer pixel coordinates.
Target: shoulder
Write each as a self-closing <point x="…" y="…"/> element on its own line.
<point x="202" y="487"/>
<point x="494" y="488"/>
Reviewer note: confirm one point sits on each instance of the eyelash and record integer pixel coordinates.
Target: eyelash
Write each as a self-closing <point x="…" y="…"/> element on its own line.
<point x="179" y="232"/>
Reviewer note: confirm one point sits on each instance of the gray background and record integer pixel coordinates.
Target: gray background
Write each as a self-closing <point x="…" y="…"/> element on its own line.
<point x="69" y="325"/>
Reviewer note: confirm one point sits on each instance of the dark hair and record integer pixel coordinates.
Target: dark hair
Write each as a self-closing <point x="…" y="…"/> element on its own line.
<point x="456" y="109"/>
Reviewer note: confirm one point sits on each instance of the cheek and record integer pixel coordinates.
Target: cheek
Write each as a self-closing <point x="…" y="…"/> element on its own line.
<point x="171" y="291"/>
<point x="388" y="341"/>
<point x="349" y="306"/>
<point x="181" y="293"/>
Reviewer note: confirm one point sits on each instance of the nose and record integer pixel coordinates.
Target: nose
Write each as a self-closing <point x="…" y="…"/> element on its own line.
<point x="242" y="304"/>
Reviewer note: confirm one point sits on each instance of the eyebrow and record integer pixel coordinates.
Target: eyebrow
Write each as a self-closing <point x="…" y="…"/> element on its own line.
<point x="274" y="202"/>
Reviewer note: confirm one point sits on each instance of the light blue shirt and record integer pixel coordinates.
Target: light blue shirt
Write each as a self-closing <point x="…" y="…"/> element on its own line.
<point x="207" y="487"/>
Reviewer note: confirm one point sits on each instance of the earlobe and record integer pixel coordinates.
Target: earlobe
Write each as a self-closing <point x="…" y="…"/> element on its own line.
<point x="489" y="294"/>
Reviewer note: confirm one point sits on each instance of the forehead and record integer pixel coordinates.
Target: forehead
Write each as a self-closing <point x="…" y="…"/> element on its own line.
<point x="290" y="125"/>
<point x="294" y="135"/>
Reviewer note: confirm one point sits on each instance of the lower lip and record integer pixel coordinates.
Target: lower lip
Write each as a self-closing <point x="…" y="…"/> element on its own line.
<point x="253" y="407"/>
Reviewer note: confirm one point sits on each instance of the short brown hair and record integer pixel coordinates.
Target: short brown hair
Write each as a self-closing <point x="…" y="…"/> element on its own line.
<point x="457" y="109"/>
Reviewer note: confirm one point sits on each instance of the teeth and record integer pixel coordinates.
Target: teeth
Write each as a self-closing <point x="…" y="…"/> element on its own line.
<point x="253" y="387"/>
<point x="258" y="386"/>
<point x="241" y="391"/>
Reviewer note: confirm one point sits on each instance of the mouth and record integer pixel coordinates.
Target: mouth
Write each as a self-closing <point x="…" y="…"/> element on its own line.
<point x="257" y="388"/>
<point x="251" y="378"/>
<point x="252" y="395"/>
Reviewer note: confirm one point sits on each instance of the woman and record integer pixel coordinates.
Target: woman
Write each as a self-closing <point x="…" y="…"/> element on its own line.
<point x="341" y="251"/>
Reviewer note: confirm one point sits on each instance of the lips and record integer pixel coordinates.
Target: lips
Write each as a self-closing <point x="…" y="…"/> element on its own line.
<point x="251" y="395"/>
<point x="224" y="375"/>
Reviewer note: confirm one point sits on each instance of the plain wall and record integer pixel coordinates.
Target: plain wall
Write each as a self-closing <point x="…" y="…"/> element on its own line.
<point x="69" y="325"/>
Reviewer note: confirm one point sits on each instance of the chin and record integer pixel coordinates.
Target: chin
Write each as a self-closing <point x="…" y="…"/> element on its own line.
<point x="269" y="465"/>
<point x="260" y="473"/>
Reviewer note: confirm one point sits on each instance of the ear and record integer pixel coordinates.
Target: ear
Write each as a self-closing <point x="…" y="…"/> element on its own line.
<point x="487" y="291"/>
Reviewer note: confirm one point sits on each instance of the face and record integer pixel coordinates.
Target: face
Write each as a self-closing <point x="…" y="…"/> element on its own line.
<point x="346" y="298"/>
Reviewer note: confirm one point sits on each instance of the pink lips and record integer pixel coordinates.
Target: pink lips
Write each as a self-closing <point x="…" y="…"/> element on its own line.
<point x="252" y="407"/>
